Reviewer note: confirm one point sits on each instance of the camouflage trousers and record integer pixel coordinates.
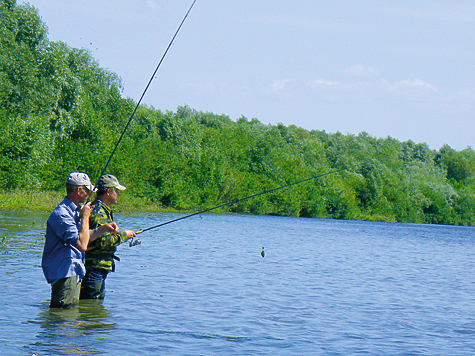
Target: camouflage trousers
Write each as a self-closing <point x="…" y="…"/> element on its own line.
<point x="93" y="285"/>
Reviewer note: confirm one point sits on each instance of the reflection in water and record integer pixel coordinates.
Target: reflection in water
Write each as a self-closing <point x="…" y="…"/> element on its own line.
<point x="72" y="331"/>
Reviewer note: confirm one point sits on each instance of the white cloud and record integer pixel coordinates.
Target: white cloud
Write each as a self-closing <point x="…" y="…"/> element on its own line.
<point x="416" y="83"/>
<point x="280" y="85"/>
<point x="151" y="4"/>
<point x="358" y="88"/>
<point x="323" y="82"/>
<point x="467" y="93"/>
<point x="361" y="71"/>
<point x="374" y="86"/>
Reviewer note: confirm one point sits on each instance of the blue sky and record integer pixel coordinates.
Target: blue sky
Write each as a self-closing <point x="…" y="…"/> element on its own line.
<point x="403" y="69"/>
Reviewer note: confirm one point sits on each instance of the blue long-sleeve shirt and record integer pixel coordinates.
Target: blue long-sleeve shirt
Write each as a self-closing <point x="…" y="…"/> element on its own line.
<point x="61" y="257"/>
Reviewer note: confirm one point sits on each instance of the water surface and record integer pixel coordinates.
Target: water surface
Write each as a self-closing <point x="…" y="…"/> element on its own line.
<point x="201" y="287"/>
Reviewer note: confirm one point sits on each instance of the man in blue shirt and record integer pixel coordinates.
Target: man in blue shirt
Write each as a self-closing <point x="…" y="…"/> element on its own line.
<point x="67" y="237"/>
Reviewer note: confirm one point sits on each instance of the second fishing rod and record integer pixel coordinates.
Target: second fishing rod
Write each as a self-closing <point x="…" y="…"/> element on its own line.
<point x="137" y="241"/>
<point x="141" y="97"/>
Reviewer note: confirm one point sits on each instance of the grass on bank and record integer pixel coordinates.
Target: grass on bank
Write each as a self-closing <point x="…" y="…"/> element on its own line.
<point x="33" y="200"/>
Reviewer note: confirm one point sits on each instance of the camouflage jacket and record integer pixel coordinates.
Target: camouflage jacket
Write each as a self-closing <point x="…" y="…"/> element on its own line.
<point x="100" y="252"/>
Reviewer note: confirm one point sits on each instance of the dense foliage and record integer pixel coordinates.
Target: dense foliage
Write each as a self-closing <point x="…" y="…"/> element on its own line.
<point x="61" y="112"/>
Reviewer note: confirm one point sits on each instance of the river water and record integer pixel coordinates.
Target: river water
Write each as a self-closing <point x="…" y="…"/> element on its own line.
<point x="201" y="287"/>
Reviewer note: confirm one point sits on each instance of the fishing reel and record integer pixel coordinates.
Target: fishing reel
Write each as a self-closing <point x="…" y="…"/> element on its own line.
<point x="135" y="242"/>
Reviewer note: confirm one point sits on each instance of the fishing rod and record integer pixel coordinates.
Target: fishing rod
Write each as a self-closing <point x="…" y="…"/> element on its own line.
<point x="143" y="94"/>
<point x="136" y="242"/>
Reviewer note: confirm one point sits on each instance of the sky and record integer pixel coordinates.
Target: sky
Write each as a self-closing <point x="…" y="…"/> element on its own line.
<point x="403" y="69"/>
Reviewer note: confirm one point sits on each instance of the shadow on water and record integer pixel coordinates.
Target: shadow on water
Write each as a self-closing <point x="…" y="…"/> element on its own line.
<point x="75" y="331"/>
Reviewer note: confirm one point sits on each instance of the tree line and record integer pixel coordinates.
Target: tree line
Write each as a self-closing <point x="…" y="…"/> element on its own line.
<point x="61" y="112"/>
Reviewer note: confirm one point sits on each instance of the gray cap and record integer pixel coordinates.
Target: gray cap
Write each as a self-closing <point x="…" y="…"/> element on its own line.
<point x="80" y="179"/>
<point x="109" y="181"/>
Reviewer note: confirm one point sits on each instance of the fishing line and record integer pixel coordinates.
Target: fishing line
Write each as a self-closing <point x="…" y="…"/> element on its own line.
<point x="143" y="94"/>
<point x="241" y="199"/>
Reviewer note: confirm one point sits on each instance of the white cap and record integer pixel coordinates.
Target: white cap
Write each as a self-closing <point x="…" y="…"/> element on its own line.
<point x="78" y="178"/>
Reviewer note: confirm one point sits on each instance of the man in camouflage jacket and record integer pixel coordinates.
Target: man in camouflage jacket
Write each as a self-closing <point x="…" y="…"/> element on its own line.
<point x="100" y="252"/>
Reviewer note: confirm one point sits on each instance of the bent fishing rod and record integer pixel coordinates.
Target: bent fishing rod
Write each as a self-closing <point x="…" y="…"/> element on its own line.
<point x="141" y="97"/>
<point x="245" y="198"/>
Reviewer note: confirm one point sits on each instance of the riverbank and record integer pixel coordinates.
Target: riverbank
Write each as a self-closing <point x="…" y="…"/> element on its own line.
<point x="33" y="200"/>
<point x="46" y="201"/>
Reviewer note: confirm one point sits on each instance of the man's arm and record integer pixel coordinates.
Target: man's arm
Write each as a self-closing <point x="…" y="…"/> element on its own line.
<point x="86" y="235"/>
<point x="111" y="227"/>
<point x="83" y="239"/>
